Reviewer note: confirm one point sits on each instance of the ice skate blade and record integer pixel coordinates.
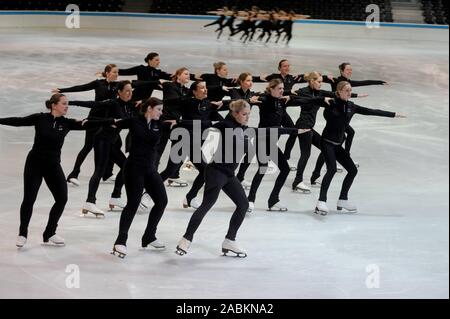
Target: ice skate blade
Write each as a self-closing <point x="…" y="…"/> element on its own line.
<point x="117" y="254"/>
<point x="114" y="208"/>
<point x="321" y="213"/>
<point x="180" y="252"/>
<point x="277" y="210"/>
<point x="293" y="169"/>
<point x="339" y="170"/>
<point x="175" y="184"/>
<point x="237" y="255"/>
<point x="301" y="191"/>
<point x="85" y="213"/>
<point x="344" y="210"/>
<point x="48" y="244"/>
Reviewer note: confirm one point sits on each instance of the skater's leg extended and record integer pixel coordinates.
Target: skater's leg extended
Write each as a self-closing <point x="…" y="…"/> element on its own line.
<point x="102" y="149"/>
<point x="134" y="185"/>
<point x="154" y="186"/>
<point x="56" y="182"/>
<point x="214" y="182"/>
<point x="329" y="153"/>
<point x="343" y="157"/>
<point x="32" y="182"/>
<point x="236" y="193"/>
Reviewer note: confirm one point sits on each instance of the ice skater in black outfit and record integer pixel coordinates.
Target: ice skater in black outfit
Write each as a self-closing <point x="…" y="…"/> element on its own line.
<point x="195" y="110"/>
<point x="106" y="145"/>
<point x="272" y="111"/>
<point x="174" y="93"/>
<point x="346" y="71"/>
<point x="245" y="81"/>
<point x="338" y="116"/>
<point x="105" y="89"/>
<point x="307" y="119"/>
<point x="44" y="163"/>
<point x="149" y="72"/>
<point x="140" y="173"/>
<point x="219" y="175"/>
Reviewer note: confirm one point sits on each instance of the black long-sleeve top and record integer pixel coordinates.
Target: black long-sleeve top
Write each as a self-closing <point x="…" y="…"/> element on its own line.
<point x="308" y="113"/>
<point x="144" y="138"/>
<point x="353" y="83"/>
<point x="228" y="163"/>
<point x="145" y="73"/>
<point x="239" y="94"/>
<point x="174" y="94"/>
<point x="338" y="116"/>
<point x="104" y="90"/>
<point x="272" y="111"/>
<point x="51" y="132"/>
<point x="204" y="111"/>
<point x="214" y="84"/>
<point x="115" y="108"/>
<point x="289" y="81"/>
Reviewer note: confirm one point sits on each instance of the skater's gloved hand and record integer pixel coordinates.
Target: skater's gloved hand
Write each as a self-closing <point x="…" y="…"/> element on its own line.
<point x="55" y="91"/>
<point x="255" y="100"/>
<point x="331" y="78"/>
<point x="363" y="95"/>
<point x="327" y="100"/>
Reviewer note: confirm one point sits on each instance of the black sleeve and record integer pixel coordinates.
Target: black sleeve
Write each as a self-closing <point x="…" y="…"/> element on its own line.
<point x="155" y="84"/>
<point x="217" y="90"/>
<point x="125" y="123"/>
<point x="300" y="101"/>
<point x="76" y="125"/>
<point x="131" y="71"/>
<point x="264" y="132"/>
<point x="327" y="80"/>
<point x="88" y="104"/>
<point x="271" y="77"/>
<point x="80" y="88"/>
<point x="330" y="94"/>
<point x="366" y="111"/>
<point x="366" y="83"/>
<point x="20" y="121"/>
<point x="257" y="79"/>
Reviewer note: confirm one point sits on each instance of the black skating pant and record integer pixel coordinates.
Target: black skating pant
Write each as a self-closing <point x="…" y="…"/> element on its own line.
<point x="137" y="179"/>
<point x="215" y="181"/>
<point x="36" y="170"/>
<point x="164" y="140"/>
<point x="279" y="159"/>
<point x="106" y="149"/>
<point x="305" y="140"/>
<point x="87" y="147"/>
<point x="350" y="132"/>
<point x="287" y="122"/>
<point x="333" y="153"/>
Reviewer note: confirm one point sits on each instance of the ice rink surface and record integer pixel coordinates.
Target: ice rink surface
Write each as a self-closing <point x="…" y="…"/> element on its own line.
<point x="396" y="246"/>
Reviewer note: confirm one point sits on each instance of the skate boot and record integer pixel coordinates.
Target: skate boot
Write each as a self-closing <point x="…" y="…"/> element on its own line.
<point x="346" y="206"/>
<point x="155" y="244"/>
<point x="278" y="207"/>
<point x="21" y="241"/>
<point x="246" y="185"/>
<point x="177" y="182"/>
<point x="55" y="240"/>
<point x="195" y="204"/>
<point x="230" y="246"/>
<point x="91" y="208"/>
<point x="145" y="204"/>
<point x="317" y="183"/>
<point x="302" y="188"/>
<point x="73" y="181"/>
<point x="119" y="251"/>
<point x="251" y="207"/>
<point x="183" y="247"/>
<point x="339" y="168"/>
<point x="188" y="166"/>
<point x="116" y="203"/>
<point x="321" y="208"/>
<point x="356" y="164"/>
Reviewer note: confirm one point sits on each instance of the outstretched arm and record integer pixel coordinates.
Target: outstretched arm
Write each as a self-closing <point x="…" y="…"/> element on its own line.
<point x="76" y="125"/>
<point x="78" y="88"/>
<point x="20" y="121"/>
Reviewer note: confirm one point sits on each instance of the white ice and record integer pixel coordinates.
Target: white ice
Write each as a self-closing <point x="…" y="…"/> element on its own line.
<point x="398" y="242"/>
